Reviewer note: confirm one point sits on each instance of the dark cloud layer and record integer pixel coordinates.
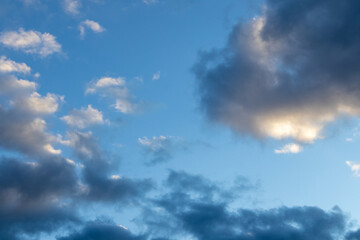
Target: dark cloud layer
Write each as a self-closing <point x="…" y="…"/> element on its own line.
<point x="103" y="231"/>
<point x="97" y="170"/>
<point x="190" y="211"/>
<point x="288" y="72"/>
<point x="32" y="194"/>
<point x="34" y="184"/>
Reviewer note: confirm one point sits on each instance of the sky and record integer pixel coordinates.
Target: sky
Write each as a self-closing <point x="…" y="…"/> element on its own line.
<point x="179" y="119"/>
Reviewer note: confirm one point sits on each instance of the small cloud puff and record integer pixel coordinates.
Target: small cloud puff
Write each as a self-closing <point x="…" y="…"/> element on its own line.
<point x="289" y="148"/>
<point x="355" y="167"/>
<point x="156" y="76"/>
<point x="92" y="25"/>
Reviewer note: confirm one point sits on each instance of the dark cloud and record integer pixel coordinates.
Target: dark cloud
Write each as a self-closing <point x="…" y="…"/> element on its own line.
<point x="286" y="73"/>
<point x="161" y="149"/>
<point x="102" y="184"/>
<point x="20" y="225"/>
<point x="353" y="235"/>
<point x="185" y="212"/>
<point x="32" y="196"/>
<point x="35" y="184"/>
<point x="103" y="231"/>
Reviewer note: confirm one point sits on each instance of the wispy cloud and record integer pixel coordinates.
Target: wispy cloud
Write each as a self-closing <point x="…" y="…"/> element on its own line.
<point x="148" y="2"/>
<point x="72" y="6"/>
<point x="33" y="42"/>
<point x="160" y="149"/>
<point x="355" y="167"/>
<point x="92" y="25"/>
<point x="156" y="76"/>
<point x="116" y="90"/>
<point x="289" y="148"/>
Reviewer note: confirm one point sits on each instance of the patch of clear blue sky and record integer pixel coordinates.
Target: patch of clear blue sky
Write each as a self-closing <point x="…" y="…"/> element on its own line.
<point x="142" y="39"/>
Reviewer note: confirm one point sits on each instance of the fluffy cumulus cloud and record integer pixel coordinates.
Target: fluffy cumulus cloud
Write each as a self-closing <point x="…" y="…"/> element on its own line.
<point x="116" y="90"/>
<point x="40" y="189"/>
<point x="287" y="73"/>
<point x="160" y="149"/>
<point x="33" y="42"/>
<point x="84" y="117"/>
<point x="22" y="109"/>
<point x="91" y="25"/>
<point x="10" y="66"/>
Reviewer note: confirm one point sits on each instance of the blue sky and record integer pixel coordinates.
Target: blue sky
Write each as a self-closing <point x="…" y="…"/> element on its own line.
<point x="112" y="111"/>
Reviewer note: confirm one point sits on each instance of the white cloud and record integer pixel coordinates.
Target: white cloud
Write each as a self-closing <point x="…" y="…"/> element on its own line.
<point x="156" y="76"/>
<point x="354" y="167"/>
<point x="115" y="89"/>
<point x="154" y="143"/>
<point x="92" y="25"/>
<point x="72" y="6"/>
<point x="103" y="83"/>
<point x="10" y="66"/>
<point x="37" y="104"/>
<point x="115" y="177"/>
<point x="289" y="148"/>
<point x="11" y="86"/>
<point x="32" y="42"/>
<point x="22" y="128"/>
<point x="84" y="117"/>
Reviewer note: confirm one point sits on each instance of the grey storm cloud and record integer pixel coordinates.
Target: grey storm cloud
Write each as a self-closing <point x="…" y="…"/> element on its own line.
<point x="101" y="184"/>
<point x="287" y="73"/>
<point x="31" y="194"/>
<point x="353" y="235"/>
<point x="40" y="190"/>
<point x="103" y="230"/>
<point x="189" y="209"/>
